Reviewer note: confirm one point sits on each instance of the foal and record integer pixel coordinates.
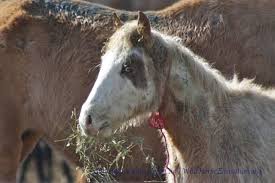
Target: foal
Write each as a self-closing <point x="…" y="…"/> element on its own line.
<point x="217" y="130"/>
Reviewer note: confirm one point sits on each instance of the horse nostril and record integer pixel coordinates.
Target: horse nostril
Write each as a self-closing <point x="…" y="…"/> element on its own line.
<point x="88" y="120"/>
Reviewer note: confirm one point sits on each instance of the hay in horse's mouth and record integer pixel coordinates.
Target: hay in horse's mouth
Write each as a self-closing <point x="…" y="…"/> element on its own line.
<point x="101" y="156"/>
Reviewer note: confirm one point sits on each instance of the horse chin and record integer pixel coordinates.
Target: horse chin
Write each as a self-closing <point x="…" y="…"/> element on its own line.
<point x="87" y="132"/>
<point x="123" y="125"/>
<point x="105" y="133"/>
<point x="133" y="122"/>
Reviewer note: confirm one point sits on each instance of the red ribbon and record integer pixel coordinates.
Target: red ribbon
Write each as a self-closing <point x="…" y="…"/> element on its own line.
<point x="156" y="120"/>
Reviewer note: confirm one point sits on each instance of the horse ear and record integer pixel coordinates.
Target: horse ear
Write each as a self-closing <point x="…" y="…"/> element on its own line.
<point x="117" y="22"/>
<point x="144" y="27"/>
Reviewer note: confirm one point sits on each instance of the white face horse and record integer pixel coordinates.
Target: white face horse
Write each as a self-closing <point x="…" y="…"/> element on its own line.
<point x="130" y="80"/>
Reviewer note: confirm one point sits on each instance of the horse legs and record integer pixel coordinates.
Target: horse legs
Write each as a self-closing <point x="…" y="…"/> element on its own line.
<point x="24" y="169"/>
<point x="43" y="160"/>
<point x="29" y="139"/>
<point x="67" y="171"/>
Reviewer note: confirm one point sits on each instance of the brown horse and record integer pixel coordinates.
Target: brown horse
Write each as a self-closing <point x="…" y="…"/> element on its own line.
<point x="48" y="48"/>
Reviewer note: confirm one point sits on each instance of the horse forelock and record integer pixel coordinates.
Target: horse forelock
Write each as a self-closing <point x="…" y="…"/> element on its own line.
<point x="128" y="36"/>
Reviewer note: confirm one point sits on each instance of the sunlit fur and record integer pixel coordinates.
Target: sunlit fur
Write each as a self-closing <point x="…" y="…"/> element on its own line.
<point x="211" y="122"/>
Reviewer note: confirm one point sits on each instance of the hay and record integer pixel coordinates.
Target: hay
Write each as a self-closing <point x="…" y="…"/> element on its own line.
<point x="101" y="156"/>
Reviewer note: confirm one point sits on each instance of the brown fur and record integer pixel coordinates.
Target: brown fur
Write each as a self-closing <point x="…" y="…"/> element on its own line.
<point x="44" y="74"/>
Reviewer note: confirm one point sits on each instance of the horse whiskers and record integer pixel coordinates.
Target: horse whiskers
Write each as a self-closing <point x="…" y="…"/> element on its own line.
<point x="93" y="68"/>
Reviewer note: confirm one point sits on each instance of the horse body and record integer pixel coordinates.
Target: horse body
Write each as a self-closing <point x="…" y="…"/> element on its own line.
<point x="223" y="130"/>
<point x="44" y="74"/>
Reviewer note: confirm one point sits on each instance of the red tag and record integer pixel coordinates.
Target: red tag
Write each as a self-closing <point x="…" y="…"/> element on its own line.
<point x="156" y="121"/>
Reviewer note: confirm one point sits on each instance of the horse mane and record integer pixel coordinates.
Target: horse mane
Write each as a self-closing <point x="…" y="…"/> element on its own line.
<point x="201" y="72"/>
<point x="209" y="78"/>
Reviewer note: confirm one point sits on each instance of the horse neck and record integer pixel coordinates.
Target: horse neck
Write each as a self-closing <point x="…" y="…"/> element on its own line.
<point x="194" y="89"/>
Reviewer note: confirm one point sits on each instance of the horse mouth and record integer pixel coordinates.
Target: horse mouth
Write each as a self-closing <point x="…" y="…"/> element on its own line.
<point x="104" y="125"/>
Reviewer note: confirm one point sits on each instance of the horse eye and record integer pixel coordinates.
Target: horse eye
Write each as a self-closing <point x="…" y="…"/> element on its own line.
<point x="126" y="69"/>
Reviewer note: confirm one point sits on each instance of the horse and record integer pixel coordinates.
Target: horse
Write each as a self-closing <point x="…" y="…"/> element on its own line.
<point x="211" y="123"/>
<point x="44" y="74"/>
